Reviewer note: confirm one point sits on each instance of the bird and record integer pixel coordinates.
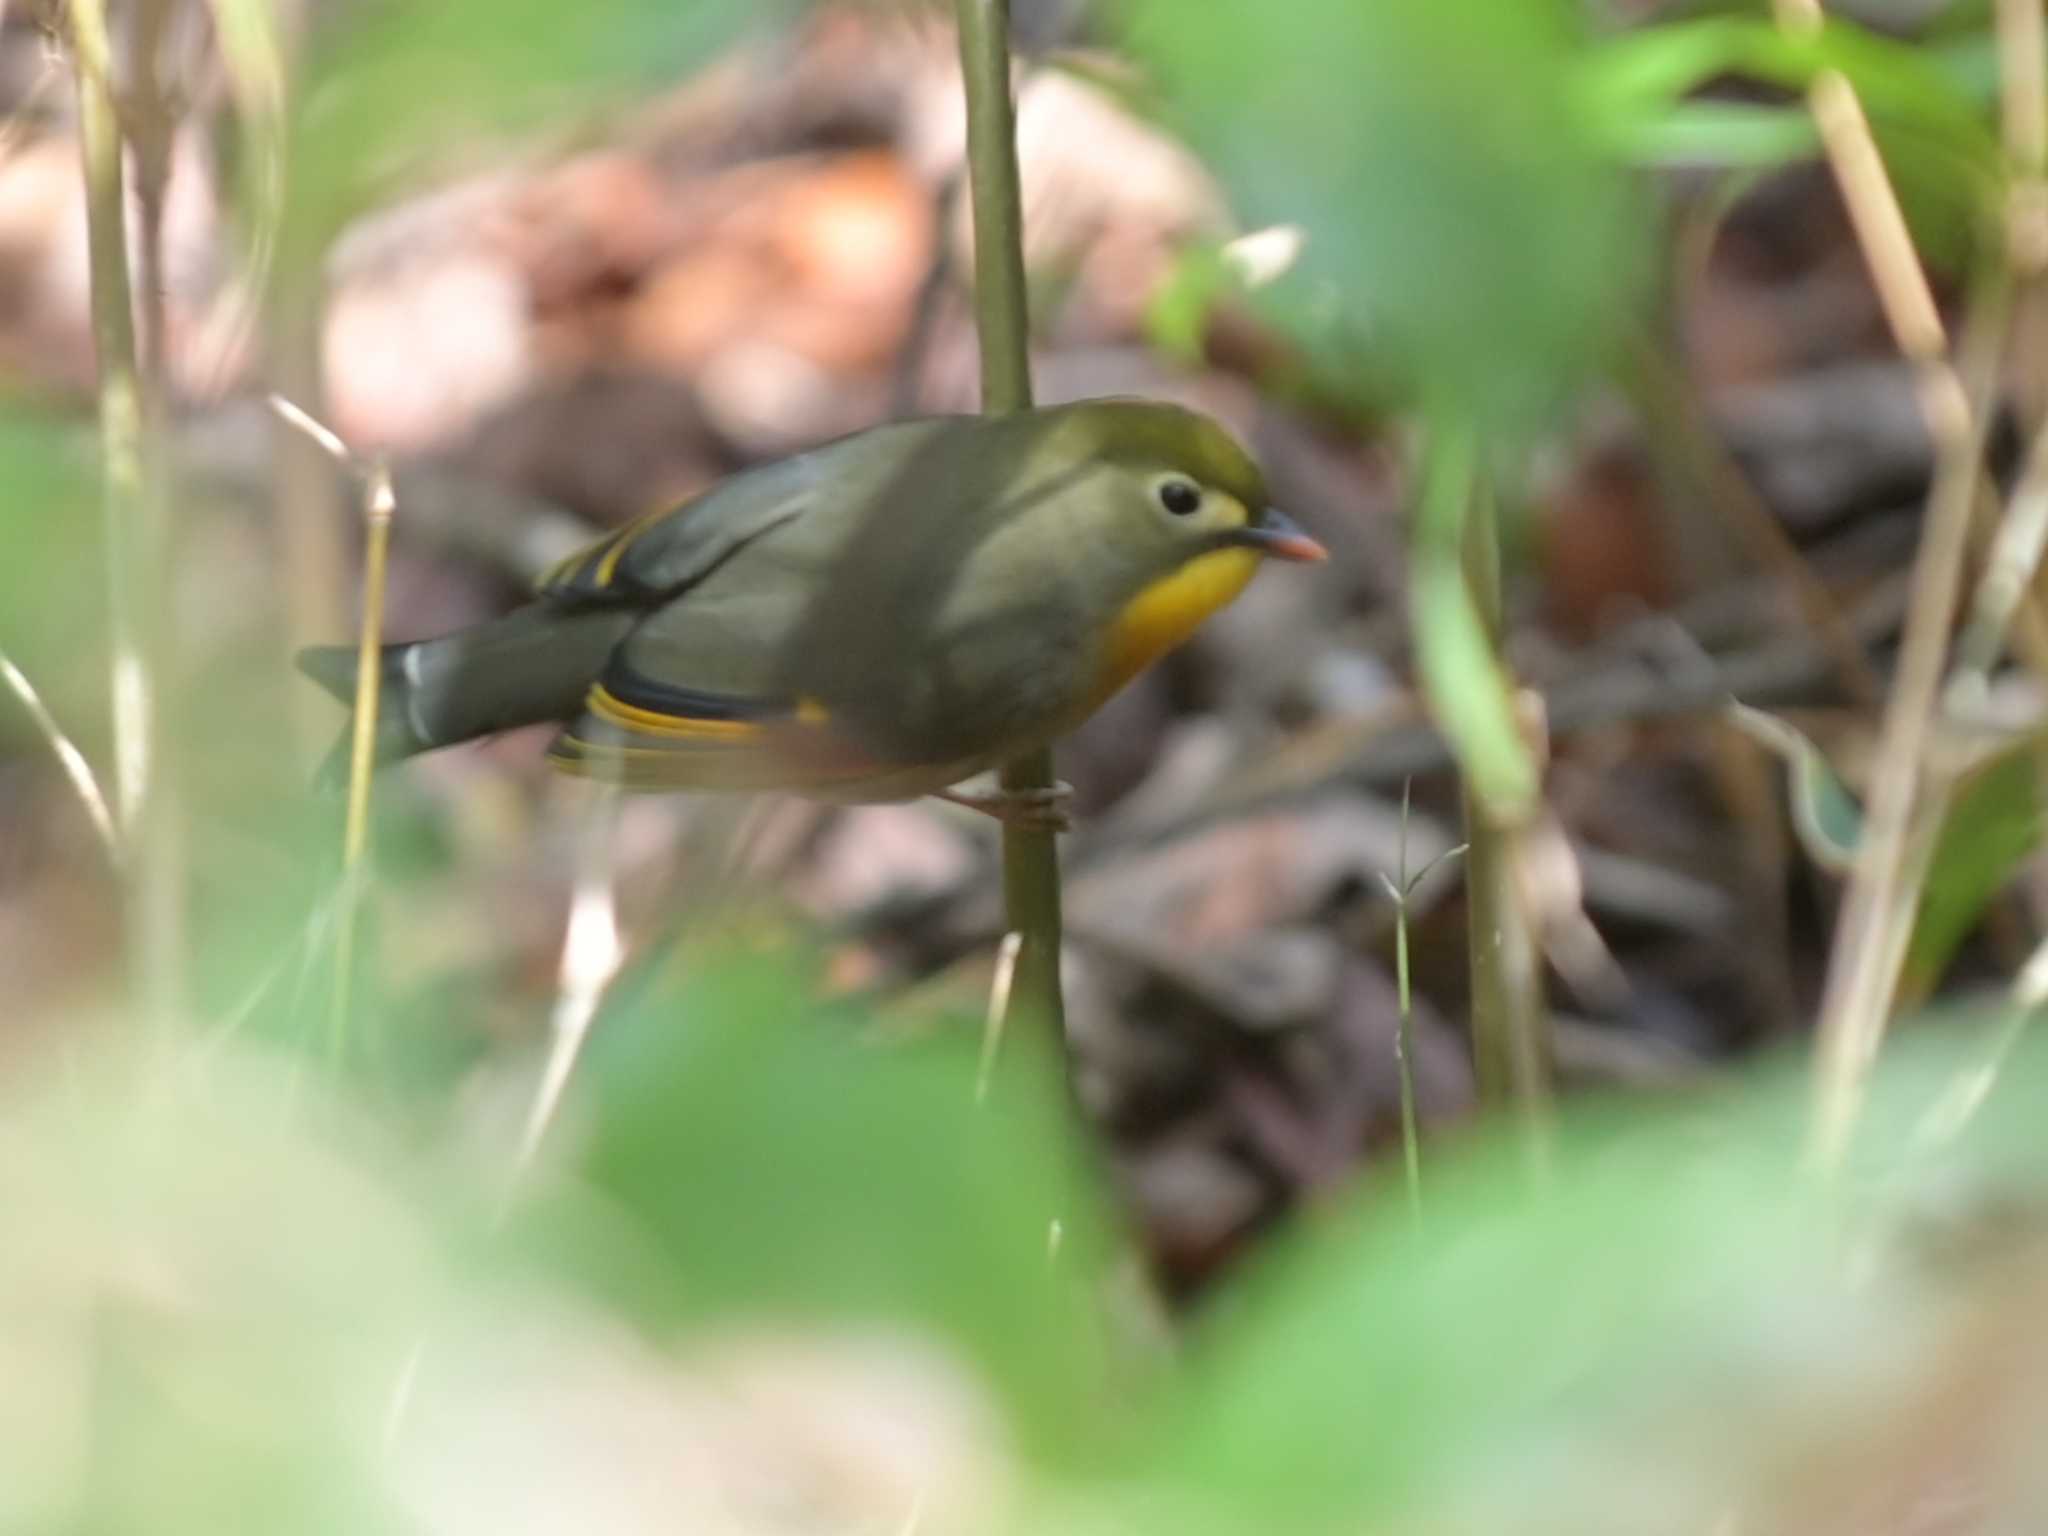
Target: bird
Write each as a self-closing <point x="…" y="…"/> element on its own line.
<point x="881" y="618"/>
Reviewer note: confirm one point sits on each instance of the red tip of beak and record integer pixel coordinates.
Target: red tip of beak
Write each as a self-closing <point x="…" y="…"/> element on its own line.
<point x="1279" y="536"/>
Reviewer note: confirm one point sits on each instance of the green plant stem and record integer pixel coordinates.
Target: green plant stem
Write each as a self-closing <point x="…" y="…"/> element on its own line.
<point x="1457" y="593"/>
<point x="1509" y="1024"/>
<point x="1031" y="873"/>
<point x="136" y="549"/>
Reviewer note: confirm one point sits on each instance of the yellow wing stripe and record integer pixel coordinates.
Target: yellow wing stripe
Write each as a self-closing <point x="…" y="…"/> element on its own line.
<point x="559" y="573"/>
<point x="609" y="565"/>
<point x="612" y="710"/>
<point x="606" y="551"/>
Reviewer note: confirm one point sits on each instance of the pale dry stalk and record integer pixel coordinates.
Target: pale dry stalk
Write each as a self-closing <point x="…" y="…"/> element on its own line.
<point x="1883" y="891"/>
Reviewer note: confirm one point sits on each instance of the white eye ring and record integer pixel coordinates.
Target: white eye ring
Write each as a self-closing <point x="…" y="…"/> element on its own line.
<point x="1179" y="496"/>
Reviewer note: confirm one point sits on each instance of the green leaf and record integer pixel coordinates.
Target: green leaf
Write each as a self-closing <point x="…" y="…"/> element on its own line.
<point x="1440" y="155"/>
<point x="1995" y="822"/>
<point x="53" y="583"/>
<point x="781" y="1167"/>
<point x="1177" y="319"/>
<point x="1708" y="133"/>
<point x="1929" y="116"/>
<point x="1462" y="677"/>
<point x="1667" y="1331"/>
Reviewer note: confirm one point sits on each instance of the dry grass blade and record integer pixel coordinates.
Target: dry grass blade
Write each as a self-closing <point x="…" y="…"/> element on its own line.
<point x="998" y="1011"/>
<point x="1877" y="913"/>
<point x="592" y="953"/>
<point x="1883" y="893"/>
<point x="69" y="758"/>
<point x="2016" y="551"/>
<point x="1401" y="890"/>
<point x="379" y="506"/>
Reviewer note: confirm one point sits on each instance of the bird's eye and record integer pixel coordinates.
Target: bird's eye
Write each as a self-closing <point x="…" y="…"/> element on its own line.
<point x="1180" y="497"/>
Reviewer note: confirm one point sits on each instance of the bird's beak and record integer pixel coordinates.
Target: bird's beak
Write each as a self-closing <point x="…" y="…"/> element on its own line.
<point x="1280" y="536"/>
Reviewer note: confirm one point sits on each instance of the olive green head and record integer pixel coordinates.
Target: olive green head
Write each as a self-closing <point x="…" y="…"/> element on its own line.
<point x="1180" y="486"/>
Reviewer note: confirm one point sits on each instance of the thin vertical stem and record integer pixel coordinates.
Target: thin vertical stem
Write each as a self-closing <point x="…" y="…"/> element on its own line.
<point x="136" y="544"/>
<point x="1001" y="303"/>
<point x="1884" y="885"/>
<point x="1404" y="1031"/>
<point x="1891" y="864"/>
<point x="2023" y="86"/>
<point x="1031" y="875"/>
<point x="311" y="518"/>
<point x="120" y="398"/>
<point x="592" y="952"/>
<point x="378" y="506"/>
<point x="1455" y="570"/>
<point x="1511" y="1036"/>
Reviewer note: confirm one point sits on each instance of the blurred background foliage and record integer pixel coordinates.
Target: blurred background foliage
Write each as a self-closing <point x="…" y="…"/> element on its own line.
<point x="801" y="1248"/>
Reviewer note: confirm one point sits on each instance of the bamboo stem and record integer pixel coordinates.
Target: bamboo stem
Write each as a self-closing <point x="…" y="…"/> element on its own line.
<point x="1031" y="875"/>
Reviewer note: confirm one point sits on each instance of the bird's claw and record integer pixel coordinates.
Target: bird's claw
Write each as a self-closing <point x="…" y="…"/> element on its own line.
<point x="1033" y="810"/>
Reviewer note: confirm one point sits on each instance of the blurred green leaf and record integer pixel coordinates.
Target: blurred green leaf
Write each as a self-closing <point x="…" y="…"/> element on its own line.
<point x="1177" y="319"/>
<point x="1932" y="123"/>
<point x="1667" y="1333"/>
<point x="1649" y="71"/>
<point x="782" y="1167"/>
<point x="1995" y="822"/>
<point x="1720" y="133"/>
<point x="1441" y="157"/>
<point x="1462" y="677"/>
<point x="53" y="605"/>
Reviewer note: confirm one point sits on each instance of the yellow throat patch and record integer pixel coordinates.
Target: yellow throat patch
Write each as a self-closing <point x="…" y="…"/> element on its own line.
<point x="1164" y="614"/>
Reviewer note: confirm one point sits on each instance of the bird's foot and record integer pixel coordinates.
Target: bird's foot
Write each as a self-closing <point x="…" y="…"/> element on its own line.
<point x="1032" y="810"/>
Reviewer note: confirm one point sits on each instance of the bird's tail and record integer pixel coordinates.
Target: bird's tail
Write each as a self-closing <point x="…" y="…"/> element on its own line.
<point x="535" y="664"/>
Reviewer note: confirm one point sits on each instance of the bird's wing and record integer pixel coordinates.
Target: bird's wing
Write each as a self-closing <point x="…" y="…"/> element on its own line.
<point x="662" y="554"/>
<point x="697" y="697"/>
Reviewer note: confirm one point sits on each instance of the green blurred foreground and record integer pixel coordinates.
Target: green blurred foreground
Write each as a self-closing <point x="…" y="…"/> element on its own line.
<point x="770" y="1277"/>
